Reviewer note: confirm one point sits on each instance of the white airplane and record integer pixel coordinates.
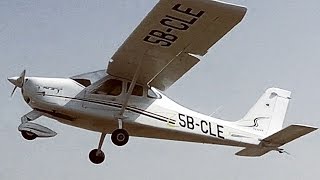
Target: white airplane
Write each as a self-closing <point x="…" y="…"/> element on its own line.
<point x="127" y="97"/>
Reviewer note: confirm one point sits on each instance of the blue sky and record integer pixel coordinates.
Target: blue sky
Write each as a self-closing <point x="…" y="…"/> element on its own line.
<point x="276" y="45"/>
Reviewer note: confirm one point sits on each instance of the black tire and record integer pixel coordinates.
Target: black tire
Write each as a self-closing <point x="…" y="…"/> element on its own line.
<point x="28" y="135"/>
<point x="96" y="158"/>
<point x="120" y="137"/>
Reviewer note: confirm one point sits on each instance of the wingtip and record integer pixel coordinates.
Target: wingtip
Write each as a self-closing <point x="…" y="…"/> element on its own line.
<point x="312" y="128"/>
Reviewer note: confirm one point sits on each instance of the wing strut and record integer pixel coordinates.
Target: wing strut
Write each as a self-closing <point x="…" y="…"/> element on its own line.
<point x="126" y="100"/>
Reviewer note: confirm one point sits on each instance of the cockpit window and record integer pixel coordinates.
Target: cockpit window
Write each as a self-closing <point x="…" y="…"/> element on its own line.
<point x="137" y="90"/>
<point x="112" y="87"/>
<point x="84" y="82"/>
<point x="154" y="95"/>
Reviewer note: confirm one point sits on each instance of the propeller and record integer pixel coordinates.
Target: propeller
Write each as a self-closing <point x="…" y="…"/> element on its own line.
<point x="17" y="81"/>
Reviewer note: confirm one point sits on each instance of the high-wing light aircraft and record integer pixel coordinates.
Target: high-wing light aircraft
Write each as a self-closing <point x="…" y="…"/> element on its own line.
<point x="127" y="97"/>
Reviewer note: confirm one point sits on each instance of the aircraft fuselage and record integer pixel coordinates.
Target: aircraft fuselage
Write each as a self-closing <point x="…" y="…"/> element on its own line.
<point x="159" y="117"/>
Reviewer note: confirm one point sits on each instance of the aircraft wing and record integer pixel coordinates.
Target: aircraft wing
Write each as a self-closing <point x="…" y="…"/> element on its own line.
<point x="170" y="37"/>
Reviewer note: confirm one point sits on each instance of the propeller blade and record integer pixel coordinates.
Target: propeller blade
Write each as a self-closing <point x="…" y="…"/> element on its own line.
<point x="21" y="79"/>
<point x="14" y="89"/>
<point x="23" y="73"/>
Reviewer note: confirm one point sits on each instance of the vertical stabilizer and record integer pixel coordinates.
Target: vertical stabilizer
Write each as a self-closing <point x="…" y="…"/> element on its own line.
<point x="267" y="115"/>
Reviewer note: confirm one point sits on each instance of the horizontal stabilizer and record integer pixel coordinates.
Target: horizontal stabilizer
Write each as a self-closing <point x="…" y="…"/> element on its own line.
<point x="286" y="135"/>
<point x="277" y="139"/>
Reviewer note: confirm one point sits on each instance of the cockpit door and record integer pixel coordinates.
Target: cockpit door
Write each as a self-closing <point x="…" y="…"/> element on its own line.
<point x="107" y="94"/>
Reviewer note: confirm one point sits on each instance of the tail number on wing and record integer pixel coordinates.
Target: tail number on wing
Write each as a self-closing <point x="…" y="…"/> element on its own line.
<point x="205" y="127"/>
<point x="171" y="25"/>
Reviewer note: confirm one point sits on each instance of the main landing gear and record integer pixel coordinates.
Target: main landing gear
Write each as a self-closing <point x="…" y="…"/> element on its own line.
<point x="97" y="156"/>
<point x="119" y="137"/>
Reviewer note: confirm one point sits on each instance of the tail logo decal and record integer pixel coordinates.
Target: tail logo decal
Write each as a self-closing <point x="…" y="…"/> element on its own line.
<point x="255" y="121"/>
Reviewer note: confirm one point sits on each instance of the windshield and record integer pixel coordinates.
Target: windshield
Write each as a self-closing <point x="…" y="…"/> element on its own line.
<point x="90" y="77"/>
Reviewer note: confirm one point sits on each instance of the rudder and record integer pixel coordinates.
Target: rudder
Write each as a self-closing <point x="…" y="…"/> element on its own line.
<point x="267" y="115"/>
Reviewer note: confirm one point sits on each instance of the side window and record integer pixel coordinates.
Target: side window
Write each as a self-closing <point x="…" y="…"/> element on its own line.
<point x="137" y="90"/>
<point x="112" y="87"/>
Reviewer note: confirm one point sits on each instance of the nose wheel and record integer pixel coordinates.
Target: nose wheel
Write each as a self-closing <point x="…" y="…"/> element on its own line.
<point x="120" y="137"/>
<point x="28" y="135"/>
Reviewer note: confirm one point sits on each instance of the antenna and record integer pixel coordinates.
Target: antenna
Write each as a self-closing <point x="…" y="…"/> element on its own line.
<point x="283" y="151"/>
<point x="216" y="111"/>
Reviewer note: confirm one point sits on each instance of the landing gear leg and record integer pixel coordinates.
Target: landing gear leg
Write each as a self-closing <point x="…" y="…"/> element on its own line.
<point x="120" y="136"/>
<point x="31" y="116"/>
<point x="120" y="123"/>
<point x="97" y="156"/>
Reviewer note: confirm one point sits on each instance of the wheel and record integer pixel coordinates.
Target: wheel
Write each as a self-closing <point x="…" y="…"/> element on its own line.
<point x="96" y="158"/>
<point x="28" y="135"/>
<point x="120" y="137"/>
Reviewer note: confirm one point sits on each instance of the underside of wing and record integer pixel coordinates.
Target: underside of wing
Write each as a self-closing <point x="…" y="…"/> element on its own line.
<point x="169" y="37"/>
<point x="253" y="152"/>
